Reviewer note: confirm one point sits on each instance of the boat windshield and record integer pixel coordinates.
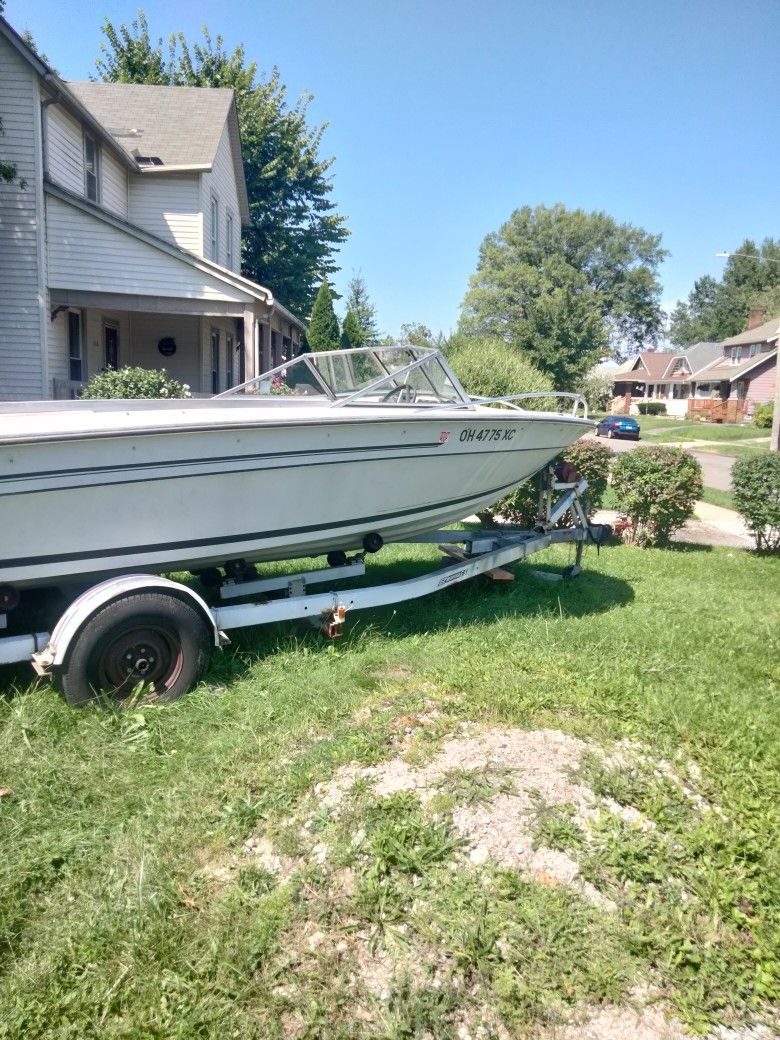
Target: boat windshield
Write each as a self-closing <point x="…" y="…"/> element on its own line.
<point x="397" y="375"/>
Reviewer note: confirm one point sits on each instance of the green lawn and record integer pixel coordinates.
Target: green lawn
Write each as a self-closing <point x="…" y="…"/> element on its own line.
<point x="673" y="430"/>
<point x="132" y="907"/>
<point x="715" y="497"/>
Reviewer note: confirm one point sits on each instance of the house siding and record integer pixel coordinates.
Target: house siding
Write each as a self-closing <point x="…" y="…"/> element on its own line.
<point x="169" y="207"/>
<point x="64" y="149"/>
<point x="149" y="329"/>
<point x="21" y="303"/>
<point x="221" y="182"/>
<point x="113" y="186"/>
<point x="761" y="382"/>
<point x="84" y="251"/>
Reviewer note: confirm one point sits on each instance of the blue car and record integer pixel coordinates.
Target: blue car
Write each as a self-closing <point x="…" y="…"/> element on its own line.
<point x="618" y="426"/>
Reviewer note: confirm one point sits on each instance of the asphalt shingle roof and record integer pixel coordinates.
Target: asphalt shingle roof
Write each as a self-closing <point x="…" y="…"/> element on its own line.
<point x="182" y="126"/>
<point x="769" y="331"/>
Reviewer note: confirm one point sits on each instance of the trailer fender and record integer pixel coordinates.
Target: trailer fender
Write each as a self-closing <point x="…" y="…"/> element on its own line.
<point x="82" y="609"/>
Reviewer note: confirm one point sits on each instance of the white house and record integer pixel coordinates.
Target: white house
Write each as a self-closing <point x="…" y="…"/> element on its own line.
<point x="120" y="238"/>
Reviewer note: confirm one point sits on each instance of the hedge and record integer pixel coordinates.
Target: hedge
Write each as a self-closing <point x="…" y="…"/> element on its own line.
<point x="657" y="488"/>
<point x="755" y="481"/>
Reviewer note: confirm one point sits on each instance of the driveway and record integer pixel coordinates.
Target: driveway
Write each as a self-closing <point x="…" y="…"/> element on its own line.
<point x="716" y="469"/>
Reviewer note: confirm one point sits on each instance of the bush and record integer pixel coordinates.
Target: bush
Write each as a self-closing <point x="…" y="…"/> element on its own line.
<point x="762" y="417"/>
<point x="657" y="488"/>
<point x="489" y="367"/>
<point x="590" y="459"/>
<point x="651" y="408"/>
<point x="755" y="481"/>
<point x="131" y="383"/>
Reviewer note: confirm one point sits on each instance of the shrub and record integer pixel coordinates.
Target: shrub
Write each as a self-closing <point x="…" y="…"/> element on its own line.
<point x="762" y="417"/>
<point x="128" y="383"/>
<point x="651" y="408"/>
<point x="657" y="488"/>
<point x="756" y="484"/>
<point x="590" y="459"/>
<point x="488" y="367"/>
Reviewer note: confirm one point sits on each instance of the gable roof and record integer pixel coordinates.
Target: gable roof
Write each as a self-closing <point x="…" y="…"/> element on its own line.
<point x="180" y="126"/>
<point x="649" y="363"/>
<point x="766" y="333"/>
<point x="723" y="369"/>
<point x="700" y="354"/>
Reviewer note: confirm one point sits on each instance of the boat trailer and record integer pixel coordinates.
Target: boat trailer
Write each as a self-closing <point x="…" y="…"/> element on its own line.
<point x="140" y="629"/>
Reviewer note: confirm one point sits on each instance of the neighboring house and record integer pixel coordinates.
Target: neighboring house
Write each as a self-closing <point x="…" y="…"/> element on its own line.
<point x="722" y="381"/>
<point x="123" y="247"/>
<point x="742" y="376"/>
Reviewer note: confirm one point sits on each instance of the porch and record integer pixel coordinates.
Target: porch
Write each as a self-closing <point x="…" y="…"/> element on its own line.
<point x="211" y="348"/>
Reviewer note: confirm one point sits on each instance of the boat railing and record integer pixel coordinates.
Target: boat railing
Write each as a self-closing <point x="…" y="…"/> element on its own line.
<point x="510" y="401"/>
<point x="436" y="385"/>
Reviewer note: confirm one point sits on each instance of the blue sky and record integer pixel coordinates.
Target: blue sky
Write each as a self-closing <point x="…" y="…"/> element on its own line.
<point x="444" y="116"/>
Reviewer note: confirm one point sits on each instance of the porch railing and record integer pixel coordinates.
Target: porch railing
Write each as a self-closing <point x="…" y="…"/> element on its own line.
<point x="715" y="411"/>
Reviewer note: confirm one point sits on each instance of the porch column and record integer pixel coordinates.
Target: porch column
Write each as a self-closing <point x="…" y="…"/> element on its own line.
<point x="248" y="346"/>
<point x="265" y="341"/>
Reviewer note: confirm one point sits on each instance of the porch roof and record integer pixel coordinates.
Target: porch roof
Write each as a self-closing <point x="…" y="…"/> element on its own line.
<point x="179" y="275"/>
<point x="723" y="369"/>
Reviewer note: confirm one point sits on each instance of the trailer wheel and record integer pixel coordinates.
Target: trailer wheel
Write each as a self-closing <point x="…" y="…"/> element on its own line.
<point x="150" y="640"/>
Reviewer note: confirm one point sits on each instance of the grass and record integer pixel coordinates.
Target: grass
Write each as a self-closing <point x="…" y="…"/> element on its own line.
<point x="673" y="431"/>
<point x="715" y="497"/>
<point x="128" y="909"/>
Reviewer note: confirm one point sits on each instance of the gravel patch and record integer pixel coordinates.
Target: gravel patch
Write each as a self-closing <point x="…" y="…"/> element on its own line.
<point x="542" y="765"/>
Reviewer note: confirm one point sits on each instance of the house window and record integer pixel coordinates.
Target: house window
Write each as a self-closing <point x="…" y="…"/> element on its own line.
<point x="229" y="241"/>
<point x="214" y="361"/>
<point x="229" y="354"/>
<point x="92" y="168"/>
<point x="75" y="360"/>
<point x="755" y="348"/>
<point x="214" y="229"/>
<point x="735" y="355"/>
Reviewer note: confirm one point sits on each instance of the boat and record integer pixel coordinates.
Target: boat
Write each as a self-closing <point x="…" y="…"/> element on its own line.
<point x="326" y="453"/>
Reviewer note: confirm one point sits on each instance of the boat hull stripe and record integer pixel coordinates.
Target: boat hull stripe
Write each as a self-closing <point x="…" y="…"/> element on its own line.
<point x="367" y="522"/>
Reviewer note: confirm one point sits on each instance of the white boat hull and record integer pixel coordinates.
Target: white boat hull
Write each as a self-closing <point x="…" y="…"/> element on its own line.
<point x="184" y="498"/>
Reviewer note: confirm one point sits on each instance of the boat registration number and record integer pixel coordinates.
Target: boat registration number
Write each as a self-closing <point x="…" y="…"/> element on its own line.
<point x="486" y="433"/>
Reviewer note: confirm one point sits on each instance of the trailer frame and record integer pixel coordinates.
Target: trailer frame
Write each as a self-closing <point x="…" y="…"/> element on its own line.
<point x="484" y="551"/>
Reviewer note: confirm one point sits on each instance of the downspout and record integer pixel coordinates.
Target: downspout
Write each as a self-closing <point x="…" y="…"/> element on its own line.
<point x="41" y="148"/>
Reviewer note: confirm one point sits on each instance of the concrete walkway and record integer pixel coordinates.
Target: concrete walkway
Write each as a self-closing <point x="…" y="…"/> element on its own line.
<point x="713" y="525"/>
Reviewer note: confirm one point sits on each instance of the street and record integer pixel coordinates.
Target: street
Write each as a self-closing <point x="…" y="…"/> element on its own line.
<point x="716" y="469"/>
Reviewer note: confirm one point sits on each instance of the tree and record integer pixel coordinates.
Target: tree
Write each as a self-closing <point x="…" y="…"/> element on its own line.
<point x="715" y="309"/>
<point x="351" y="332"/>
<point x="294" y="231"/>
<point x="358" y="301"/>
<point x="324" y="325"/>
<point x="130" y="56"/>
<point x="564" y="287"/>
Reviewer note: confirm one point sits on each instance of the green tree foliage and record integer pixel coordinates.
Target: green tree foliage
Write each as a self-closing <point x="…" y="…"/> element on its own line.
<point x="351" y="332"/>
<point x="563" y="286"/>
<point x="657" y="488"/>
<point x="488" y="367"/>
<point x="128" y="383"/>
<point x="294" y="230"/>
<point x="358" y="301"/>
<point x="324" y="325"/>
<point x="716" y="309"/>
<point x="129" y="55"/>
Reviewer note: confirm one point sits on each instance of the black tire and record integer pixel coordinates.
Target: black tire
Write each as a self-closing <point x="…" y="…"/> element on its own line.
<point x="149" y="638"/>
<point x="610" y="434"/>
